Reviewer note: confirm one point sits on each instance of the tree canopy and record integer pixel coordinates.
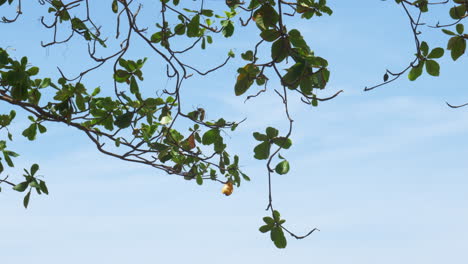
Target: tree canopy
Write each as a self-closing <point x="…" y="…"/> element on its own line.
<point x="135" y="122"/>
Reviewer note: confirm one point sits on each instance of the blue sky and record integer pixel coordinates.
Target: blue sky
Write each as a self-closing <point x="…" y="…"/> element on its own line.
<point x="382" y="174"/>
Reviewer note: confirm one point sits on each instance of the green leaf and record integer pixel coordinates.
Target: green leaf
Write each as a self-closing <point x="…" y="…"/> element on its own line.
<point x="422" y="5"/>
<point x="3" y="57"/>
<point x="79" y="25"/>
<point x="424" y="48"/>
<point x="21" y="187"/>
<point x="279" y="50"/>
<point x="156" y="37"/>
<point x="34" y="184"/>
<point x="451" y="42"/>
<point x="42" y="129"/>
<point x="261" y="80"/>
<point x="297" y="40"/>
<point x="6" y="155"/>
<point x="243" y="84"/>
<point x="43" y="187"/>
<point x="248" y="55"/>
<point x="207" y="12"/>
<point x="274" y="233"/>
<point x="80" y="102"/>
<point x="436" y="53"/>
<point x="179" y="29"/>
<point x="12" y="114"/>
<point x="124" y="121"/>
<point x="254" y="4"/>
<point x="199" y="179"/>
<point x="121" y="76"/>
<point x="30" y="132"/>
<point x="24" y="61"/>
<point x="26" y="199"/>
<point x="457" y="47"/>
<point x="264" y="228"/>
<point x="210" y="136"/>
<point x="268" y="220"/>
<point x="33" y="71"/>
<point x="96" y="91"/>
<point x="20" y="90"/>
<point x="266" y="17"/>
<point x="12" y="154"/>
<point x="271" y="132"/>
<point x="270" y="35"/>
<point x="34" y="169"/>
<point x="448" y="32"/>
<point x="416" y="71"/>
<point x="228" y="28"/>
<point x="282" y="167"/>
<point x="245" y="177"/>
<point x="277" y="236"/>
<point x="460" y="28"/>
<point x="457" y="12"/>
<point x="432" y="67"/>
<point x="260" y="137"/>
<point x="134" y="86"/>
<point x="193" y="27"/>
<point x="153" y="102"/>
<point x="276" y="216"/>
<point x="262" y="151"/>
<point x="115" y="7"/>
<point x="293" y="76"/>
<point x="283" y="142"/>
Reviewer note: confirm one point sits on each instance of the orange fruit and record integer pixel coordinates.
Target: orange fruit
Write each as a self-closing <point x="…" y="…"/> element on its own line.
<point x="227" y="189"/>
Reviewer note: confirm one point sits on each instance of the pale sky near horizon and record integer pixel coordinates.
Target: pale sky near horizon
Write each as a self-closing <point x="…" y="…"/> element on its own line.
<point x="382" y="174"/>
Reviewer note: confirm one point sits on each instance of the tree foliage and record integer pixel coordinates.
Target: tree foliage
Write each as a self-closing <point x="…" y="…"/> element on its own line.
<point x="144" y="129"/>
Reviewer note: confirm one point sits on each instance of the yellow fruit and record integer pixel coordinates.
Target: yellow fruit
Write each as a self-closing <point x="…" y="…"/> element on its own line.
<point x="227" y="189"/>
